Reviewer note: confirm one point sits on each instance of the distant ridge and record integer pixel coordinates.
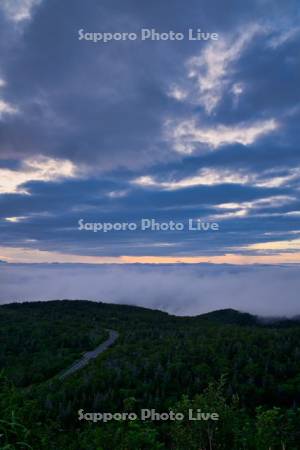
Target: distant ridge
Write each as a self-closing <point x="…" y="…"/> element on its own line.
<point x="230" y="317"/>
<point x="226" y="316"/>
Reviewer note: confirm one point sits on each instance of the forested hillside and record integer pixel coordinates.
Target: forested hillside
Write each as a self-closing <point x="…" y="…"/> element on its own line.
<point x="245" y="370"/>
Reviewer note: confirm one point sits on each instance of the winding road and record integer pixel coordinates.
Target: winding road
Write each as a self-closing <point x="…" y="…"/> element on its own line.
<point x="113" y="336"/>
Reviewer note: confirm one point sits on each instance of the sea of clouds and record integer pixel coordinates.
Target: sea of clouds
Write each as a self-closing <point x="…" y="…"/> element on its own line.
<point x="178" y="289"/>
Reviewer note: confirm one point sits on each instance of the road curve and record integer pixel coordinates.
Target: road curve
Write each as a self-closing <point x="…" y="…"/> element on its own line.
<point x="113" y="336"/>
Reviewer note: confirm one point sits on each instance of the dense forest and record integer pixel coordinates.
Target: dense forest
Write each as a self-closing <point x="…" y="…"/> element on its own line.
<point x="242" y="368"/>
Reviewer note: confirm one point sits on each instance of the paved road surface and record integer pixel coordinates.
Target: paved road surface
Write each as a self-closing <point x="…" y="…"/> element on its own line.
<point x="113" y="336"/>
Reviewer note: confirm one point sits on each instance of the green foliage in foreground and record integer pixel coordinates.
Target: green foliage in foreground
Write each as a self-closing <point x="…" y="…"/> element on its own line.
<point x="225" y="363"/>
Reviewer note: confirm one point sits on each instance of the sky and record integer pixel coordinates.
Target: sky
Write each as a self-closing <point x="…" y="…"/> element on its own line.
<point x="164" y="130"/>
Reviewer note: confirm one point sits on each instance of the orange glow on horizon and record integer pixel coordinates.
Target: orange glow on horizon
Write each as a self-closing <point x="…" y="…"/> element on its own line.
<point x="230" y="258"/>
<point x="27" y="256"/>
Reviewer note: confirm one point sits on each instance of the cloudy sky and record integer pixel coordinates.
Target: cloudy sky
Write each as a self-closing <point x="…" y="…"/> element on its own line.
<point x="169" y="130"/>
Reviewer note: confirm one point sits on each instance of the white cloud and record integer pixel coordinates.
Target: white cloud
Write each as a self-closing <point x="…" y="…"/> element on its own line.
<point x="15" y="219"/>
<point x="293" y="213"/>
<point x="18" y="10"/>
<point x="212" y="68"/>
<point x="272" y="180"/>
<point x="268" y="202"/>
<point x="230" y="215"/>
<point x="212" y="71"/>
<point x="243" y="209"/>
<point x="205" y="177"/>
<point x="117" y="194"/>
<point x="237" y="89"/>
<point x="188" y="136"/>
<point x="213" y="177"/>
<point x="177" y="93"/>
<point x="38" y="169"/>
<point x="281" y="233"/>
<point x="283" y="37"/>
<point x="7" y="108"/>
